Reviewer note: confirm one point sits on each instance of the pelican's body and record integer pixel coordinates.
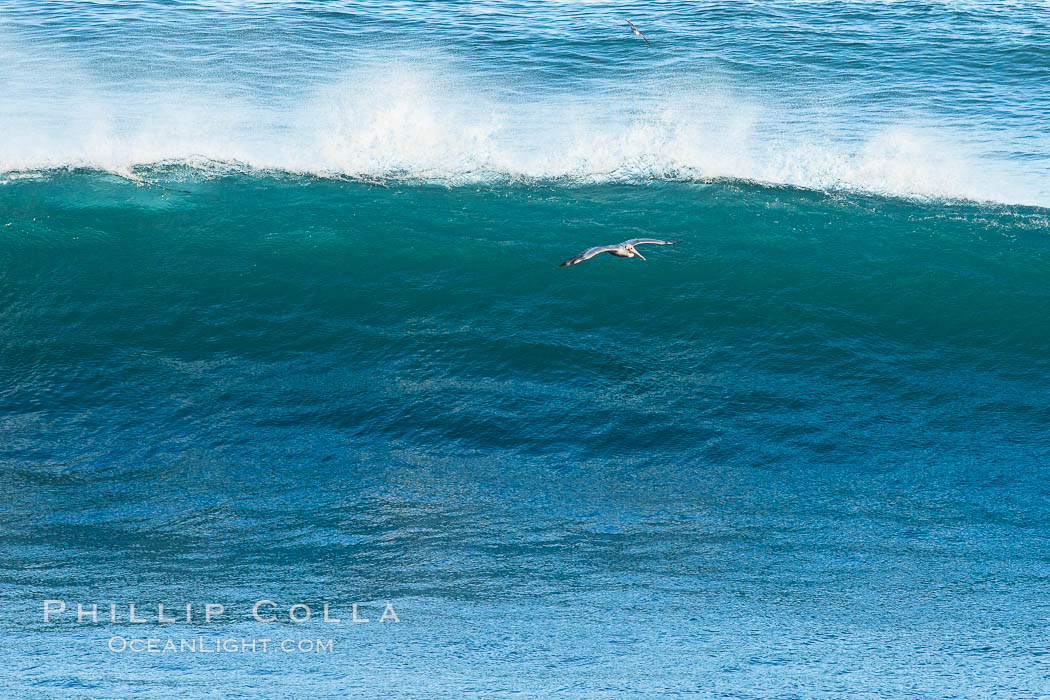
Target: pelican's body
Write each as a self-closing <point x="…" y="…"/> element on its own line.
<point x="620" y="250"/>
<point x="624" y="252"/>
<point x="636" y="32"/>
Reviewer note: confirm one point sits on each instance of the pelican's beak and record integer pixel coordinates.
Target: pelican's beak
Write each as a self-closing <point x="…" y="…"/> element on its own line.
<point x="639" y="255"/>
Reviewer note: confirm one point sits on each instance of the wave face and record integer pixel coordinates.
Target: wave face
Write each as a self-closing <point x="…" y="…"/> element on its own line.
<point x="816" y="413"/>
<point x="913" y="99"/>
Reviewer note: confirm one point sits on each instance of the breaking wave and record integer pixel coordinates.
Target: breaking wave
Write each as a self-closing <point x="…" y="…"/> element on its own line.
<point x="418" y="115"/>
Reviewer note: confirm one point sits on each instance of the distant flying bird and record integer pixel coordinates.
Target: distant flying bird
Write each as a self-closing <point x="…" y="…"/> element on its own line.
<point x="620" y="250"/>
<point x="634" y="29"/>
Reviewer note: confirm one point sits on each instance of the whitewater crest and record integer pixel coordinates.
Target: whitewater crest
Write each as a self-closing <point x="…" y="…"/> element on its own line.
<point x="407" y="124"/>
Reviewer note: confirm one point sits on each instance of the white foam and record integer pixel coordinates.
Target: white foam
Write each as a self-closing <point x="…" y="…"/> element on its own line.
<point x="419" y="121"/>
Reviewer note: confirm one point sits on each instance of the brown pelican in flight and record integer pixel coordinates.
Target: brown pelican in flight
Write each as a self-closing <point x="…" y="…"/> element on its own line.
<point x="635" y="30"/>
<point x="620" y="250"/>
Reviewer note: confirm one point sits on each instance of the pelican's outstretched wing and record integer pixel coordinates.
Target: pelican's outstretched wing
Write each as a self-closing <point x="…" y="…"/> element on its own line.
<point x="588" y="254"/>
<point x="636" y="31"/>
<point x="639" y="241"/>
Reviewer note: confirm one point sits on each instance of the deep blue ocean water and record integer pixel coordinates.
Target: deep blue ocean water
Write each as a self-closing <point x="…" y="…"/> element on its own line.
<point x="280" y="320"/>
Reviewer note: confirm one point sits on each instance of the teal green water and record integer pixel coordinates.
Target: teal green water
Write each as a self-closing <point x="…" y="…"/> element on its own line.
<point x="280" y="319"/>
